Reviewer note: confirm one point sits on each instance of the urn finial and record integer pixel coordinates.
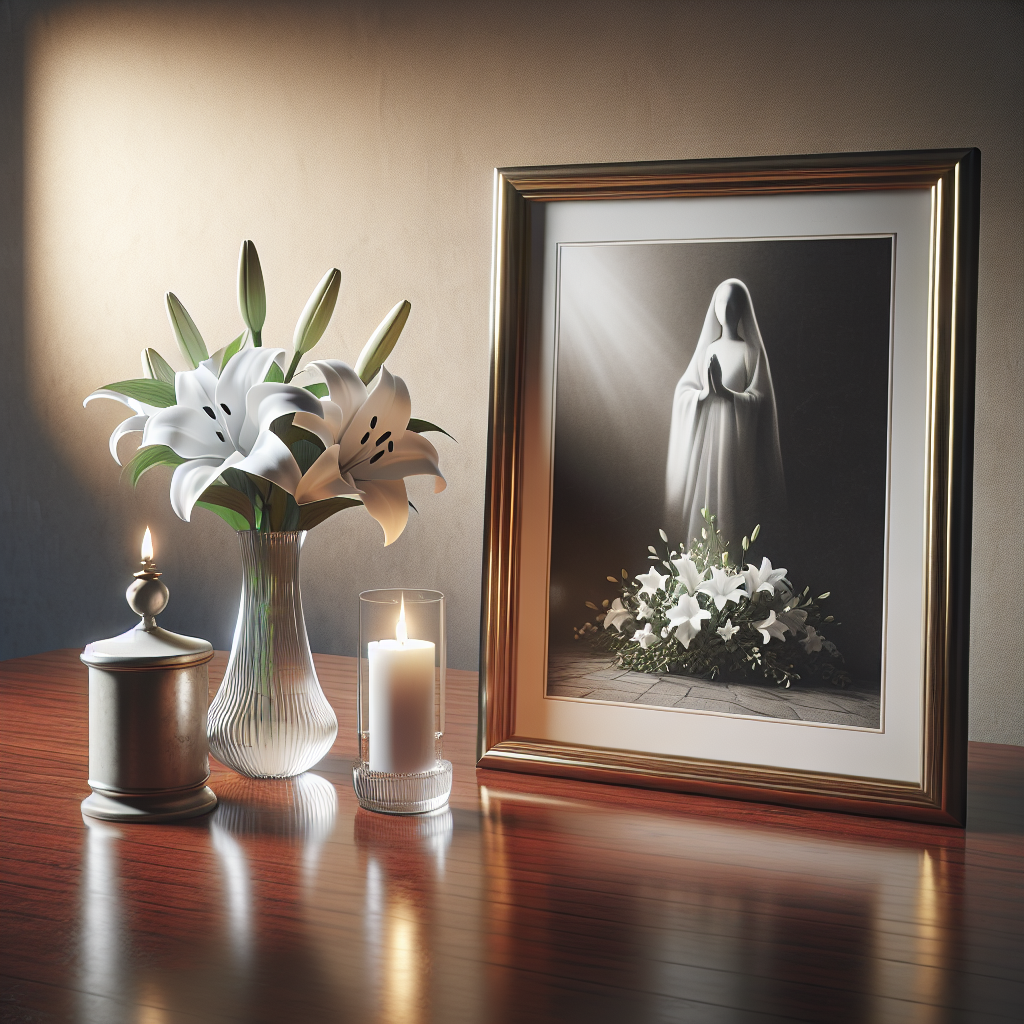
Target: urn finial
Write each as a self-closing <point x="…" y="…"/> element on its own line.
<point x="147" y="596"/>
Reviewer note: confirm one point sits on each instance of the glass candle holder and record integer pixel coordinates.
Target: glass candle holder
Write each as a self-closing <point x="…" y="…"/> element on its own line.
<point x="400" y="702"/>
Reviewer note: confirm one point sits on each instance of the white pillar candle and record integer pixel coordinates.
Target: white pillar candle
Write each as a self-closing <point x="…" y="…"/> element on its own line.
<point x="402" y="730"/>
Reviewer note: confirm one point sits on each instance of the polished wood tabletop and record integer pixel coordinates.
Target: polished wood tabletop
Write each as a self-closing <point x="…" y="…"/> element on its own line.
<point x="532" y="900"/>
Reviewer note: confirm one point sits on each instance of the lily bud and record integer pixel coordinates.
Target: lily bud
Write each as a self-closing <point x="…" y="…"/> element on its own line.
<point x="252" y="295"/>
<point x="317" y="314"/>
<point x="190" y="341"/>
<point x="382" y="342"/>
<point x="755" y="532"/>
<point x="155" y="367"/>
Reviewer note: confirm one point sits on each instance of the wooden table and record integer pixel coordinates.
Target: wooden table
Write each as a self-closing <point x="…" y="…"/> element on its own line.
<point x="537" y="899"/>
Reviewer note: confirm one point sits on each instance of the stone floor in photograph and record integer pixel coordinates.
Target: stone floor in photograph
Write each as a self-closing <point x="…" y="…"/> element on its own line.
<point x="590" y="676"/>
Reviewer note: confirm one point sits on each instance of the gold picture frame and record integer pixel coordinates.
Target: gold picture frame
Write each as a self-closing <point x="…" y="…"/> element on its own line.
<point x="514" y="536"/>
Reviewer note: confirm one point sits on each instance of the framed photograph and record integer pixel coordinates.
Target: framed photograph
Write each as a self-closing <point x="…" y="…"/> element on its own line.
<point x="728" y="532"/>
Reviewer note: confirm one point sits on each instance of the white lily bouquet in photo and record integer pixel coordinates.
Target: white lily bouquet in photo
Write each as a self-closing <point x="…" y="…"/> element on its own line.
<point x="274" y="450"/>
<point x="707" y="618"/>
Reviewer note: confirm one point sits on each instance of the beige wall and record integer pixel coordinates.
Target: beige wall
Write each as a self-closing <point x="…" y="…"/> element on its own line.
<point x="143" y="141"/>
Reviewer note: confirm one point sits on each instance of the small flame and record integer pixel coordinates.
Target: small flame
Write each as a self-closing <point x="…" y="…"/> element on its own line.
<point x="147" y="546"/>
<point x="400" y="630"/>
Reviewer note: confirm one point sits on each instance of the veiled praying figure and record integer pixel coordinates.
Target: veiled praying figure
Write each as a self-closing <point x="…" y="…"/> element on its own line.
<point x="723" y="451"/>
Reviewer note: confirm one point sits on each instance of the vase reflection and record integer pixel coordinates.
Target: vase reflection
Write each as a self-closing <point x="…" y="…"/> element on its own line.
<point x="297" y="815"/>
<point x="300" y="810"/>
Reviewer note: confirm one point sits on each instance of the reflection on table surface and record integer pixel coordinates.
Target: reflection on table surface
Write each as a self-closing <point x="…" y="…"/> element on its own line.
<point x="527" y="899"/>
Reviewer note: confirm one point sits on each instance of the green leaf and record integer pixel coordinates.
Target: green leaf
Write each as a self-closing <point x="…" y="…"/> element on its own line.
<point x="155" y="367"/>
<point x="231" y="499"/>
<point x="317" y="314"/>
<point x="231" y="350"/>
<point x="320" y="390"/>
<point x="146" y="458"/>
<point x="305" y="452"/>
<point x="294" y="433"/>
<point x="190" y="341"/>
<point x="292" y="513"/>
<point x="239" y="481"/>
<point x="232" y="518"/>
<point x="275" y="375"/>
<point x="284" y="512"/>
<point x="282" y="425"/>
<point x="316" y="512"/>
<point x="157" y="393"/>
<point x="382" y="342"/>
<point x="422" y="426"/>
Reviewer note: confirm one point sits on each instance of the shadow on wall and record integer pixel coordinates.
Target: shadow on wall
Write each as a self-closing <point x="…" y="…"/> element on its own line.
<point x="69" y="545"/>
<point x="68" y="548"/>
<point x="54" y="534"/>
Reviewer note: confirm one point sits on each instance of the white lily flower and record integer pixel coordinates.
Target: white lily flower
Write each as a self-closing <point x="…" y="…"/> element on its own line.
<point x="795" y="619"/>
<point x="812" y="642"/>
<point x="722" y="587"/>
<point x="224" y="423"/>
<point x="763" y="578"/>
<point x="369" y="449"/>
<point x="651" y="582"/>
<point x="728" y="631"/>
<point x="645" y="637"/>
<point x="771" y="627"/>
<point x="135" y="423"/>
<point x="690" y="576"/>
<point x="616" y="615"/>
<point x="687" y="617"/>
<point x="644" y="611"/>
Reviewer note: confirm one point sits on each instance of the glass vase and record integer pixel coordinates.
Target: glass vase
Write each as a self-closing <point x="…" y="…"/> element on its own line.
<point x="270" y="719"/>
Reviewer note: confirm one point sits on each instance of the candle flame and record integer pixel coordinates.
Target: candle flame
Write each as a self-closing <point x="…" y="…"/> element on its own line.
<point x="400" y="630"/>
<point x="147" y="546"/>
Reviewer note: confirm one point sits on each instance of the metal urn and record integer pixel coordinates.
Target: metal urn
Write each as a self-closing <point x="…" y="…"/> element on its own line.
<point x="148" y="698"/>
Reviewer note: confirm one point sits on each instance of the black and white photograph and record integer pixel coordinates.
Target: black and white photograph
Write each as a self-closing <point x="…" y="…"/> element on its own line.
<point x="721" y="434"/>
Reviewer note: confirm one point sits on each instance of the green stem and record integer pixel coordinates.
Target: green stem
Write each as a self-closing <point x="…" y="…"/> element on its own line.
<point x="262" y="508"/>
<point x="291" y="369"/>
<point x="257" y="339"/>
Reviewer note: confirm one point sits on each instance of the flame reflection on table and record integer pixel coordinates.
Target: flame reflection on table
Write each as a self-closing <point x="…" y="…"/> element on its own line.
<point x="405" y="859"/>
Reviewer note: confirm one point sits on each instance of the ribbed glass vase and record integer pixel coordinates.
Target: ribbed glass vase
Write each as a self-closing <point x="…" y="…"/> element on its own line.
<point x="270" y="719"/>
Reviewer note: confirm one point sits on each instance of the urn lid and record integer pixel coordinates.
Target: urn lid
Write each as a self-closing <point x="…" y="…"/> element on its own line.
<point x="142" y="648"/>
<point x="147" y="645"/>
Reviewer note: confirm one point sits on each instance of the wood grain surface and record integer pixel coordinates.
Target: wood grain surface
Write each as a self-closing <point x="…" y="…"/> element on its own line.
<point x="535" y="899"/>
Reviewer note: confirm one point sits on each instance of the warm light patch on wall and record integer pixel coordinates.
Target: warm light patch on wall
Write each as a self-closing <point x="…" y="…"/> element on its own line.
<point x="156" y="139"/>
